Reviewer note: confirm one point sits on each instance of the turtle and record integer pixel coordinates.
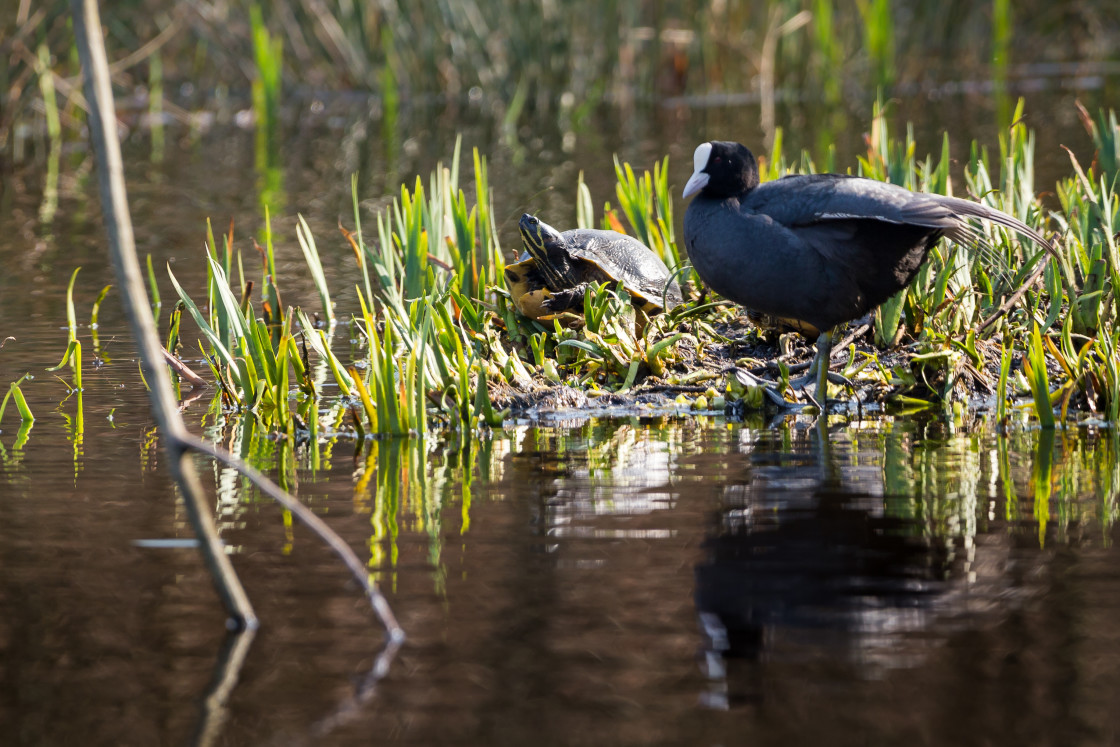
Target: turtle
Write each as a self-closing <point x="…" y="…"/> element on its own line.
<point x="552" y="274"/>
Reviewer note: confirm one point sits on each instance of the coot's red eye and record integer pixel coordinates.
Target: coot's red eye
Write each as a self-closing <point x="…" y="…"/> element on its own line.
<point x="717" y="159"/>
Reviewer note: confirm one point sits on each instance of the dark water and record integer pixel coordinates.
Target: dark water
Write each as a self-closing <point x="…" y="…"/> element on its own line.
<point x="666" y="580"/>
<point x="660" y="580"/>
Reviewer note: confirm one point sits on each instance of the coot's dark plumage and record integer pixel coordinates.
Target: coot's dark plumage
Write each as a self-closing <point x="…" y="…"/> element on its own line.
<point x="822" y="248"/>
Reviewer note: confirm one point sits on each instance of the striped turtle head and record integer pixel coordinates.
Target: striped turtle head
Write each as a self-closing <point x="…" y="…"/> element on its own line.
<point x="550" y="250"/>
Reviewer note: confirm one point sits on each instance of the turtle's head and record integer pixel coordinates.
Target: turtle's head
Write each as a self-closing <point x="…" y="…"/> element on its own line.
<point x="539" y="237"/>
<point x="548" y="247"/>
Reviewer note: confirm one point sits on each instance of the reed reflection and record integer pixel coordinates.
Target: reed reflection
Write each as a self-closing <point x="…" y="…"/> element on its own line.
<point x="878" y="540"/>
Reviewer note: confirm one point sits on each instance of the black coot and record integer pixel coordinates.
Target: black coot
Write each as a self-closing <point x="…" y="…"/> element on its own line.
<point x="821" y="248"/>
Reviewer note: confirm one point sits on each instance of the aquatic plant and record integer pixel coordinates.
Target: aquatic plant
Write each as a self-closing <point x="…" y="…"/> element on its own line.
<point x="268" y="58"/>
<point x="73" y="355"/>
<point x="440" y="340"/>
<point x="1001" y="53"/>
<point x="648" y="205"/>
<point x="1034" y="366"/>
<point x="15" y="394"/>
<point x="878" y="38"/>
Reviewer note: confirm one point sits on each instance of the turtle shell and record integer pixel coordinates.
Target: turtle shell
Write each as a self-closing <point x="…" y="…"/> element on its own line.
<point x="609" y="256"/>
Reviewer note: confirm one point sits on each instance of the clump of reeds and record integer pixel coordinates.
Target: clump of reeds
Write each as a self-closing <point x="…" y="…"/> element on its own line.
<point x="1066" y="328"/>
<point x="440" y="335"/>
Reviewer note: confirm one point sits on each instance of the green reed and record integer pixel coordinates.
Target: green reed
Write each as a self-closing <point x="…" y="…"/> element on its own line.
<point x="311" y="256"/>
<point x="94" y="314"/>
<point x="155" y="106"/>
<point x="1034" y="366"/>
<point x="828" y="49"/>
<point x="519" y="53"/>
<point x="73" y="354"/>
<point x="438" y="329"/>
<point x="1001" y="53"/>
<point x="648" y="205"/>
<point x="878" y="38"/>
<point x="15" y="394"/>
<point x="268" y="58"/>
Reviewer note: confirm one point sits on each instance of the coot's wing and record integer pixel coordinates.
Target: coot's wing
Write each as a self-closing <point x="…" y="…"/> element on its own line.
<point x="815" y="198"/>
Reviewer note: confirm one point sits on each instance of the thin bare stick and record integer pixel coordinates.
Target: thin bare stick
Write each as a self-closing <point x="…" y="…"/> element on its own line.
<point x="183" y="370"/>
<point x="178" y="440"/>
<point x="314" y="523"/>
<point x="122" y="250"/>
<point x="227" y="668"/>
<point x="151" y="47"/>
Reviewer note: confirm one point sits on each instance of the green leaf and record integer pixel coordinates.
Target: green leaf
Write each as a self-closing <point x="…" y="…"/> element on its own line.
<point x="315" y="265"/>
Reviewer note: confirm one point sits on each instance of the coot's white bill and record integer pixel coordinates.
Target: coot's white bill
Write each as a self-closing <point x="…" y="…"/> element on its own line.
<point x="699" y="179"/>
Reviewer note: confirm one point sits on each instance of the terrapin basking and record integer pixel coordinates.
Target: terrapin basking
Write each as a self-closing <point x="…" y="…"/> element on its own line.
<point x="553" y="273"/>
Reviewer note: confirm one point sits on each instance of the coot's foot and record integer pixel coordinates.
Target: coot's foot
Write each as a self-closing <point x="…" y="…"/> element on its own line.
<point x="810" y="384"/>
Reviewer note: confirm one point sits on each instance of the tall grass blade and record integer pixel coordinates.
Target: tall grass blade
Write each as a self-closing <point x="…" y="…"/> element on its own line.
<point x="311" y="255"/>
<point x="16" y="395"/>
<point x="1034" y="366"/>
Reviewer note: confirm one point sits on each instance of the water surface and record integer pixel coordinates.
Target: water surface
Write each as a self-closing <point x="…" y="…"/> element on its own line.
<point x="638" y="580"/>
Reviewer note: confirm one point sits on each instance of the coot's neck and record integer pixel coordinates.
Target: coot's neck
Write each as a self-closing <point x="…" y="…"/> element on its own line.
<point x="705" y="203"/>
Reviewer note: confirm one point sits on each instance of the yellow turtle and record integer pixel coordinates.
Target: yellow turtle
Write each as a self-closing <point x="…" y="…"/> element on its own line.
<point x="553" y="273"/>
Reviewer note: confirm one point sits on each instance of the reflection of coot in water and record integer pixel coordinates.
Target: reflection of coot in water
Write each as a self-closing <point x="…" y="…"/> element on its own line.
<point x="827" y="566"/>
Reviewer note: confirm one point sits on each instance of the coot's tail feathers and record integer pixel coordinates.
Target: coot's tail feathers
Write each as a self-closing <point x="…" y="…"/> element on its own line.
<point x="966" y="234"/>
<point x="975" y="210"/>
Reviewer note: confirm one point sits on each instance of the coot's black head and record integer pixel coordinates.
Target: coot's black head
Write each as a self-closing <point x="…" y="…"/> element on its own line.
<point x="722" y="169"/>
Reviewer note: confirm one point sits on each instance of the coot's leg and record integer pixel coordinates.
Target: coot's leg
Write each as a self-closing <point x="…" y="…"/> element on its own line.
<point x="818" y="372"/>
<point x="822" y="363"/>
